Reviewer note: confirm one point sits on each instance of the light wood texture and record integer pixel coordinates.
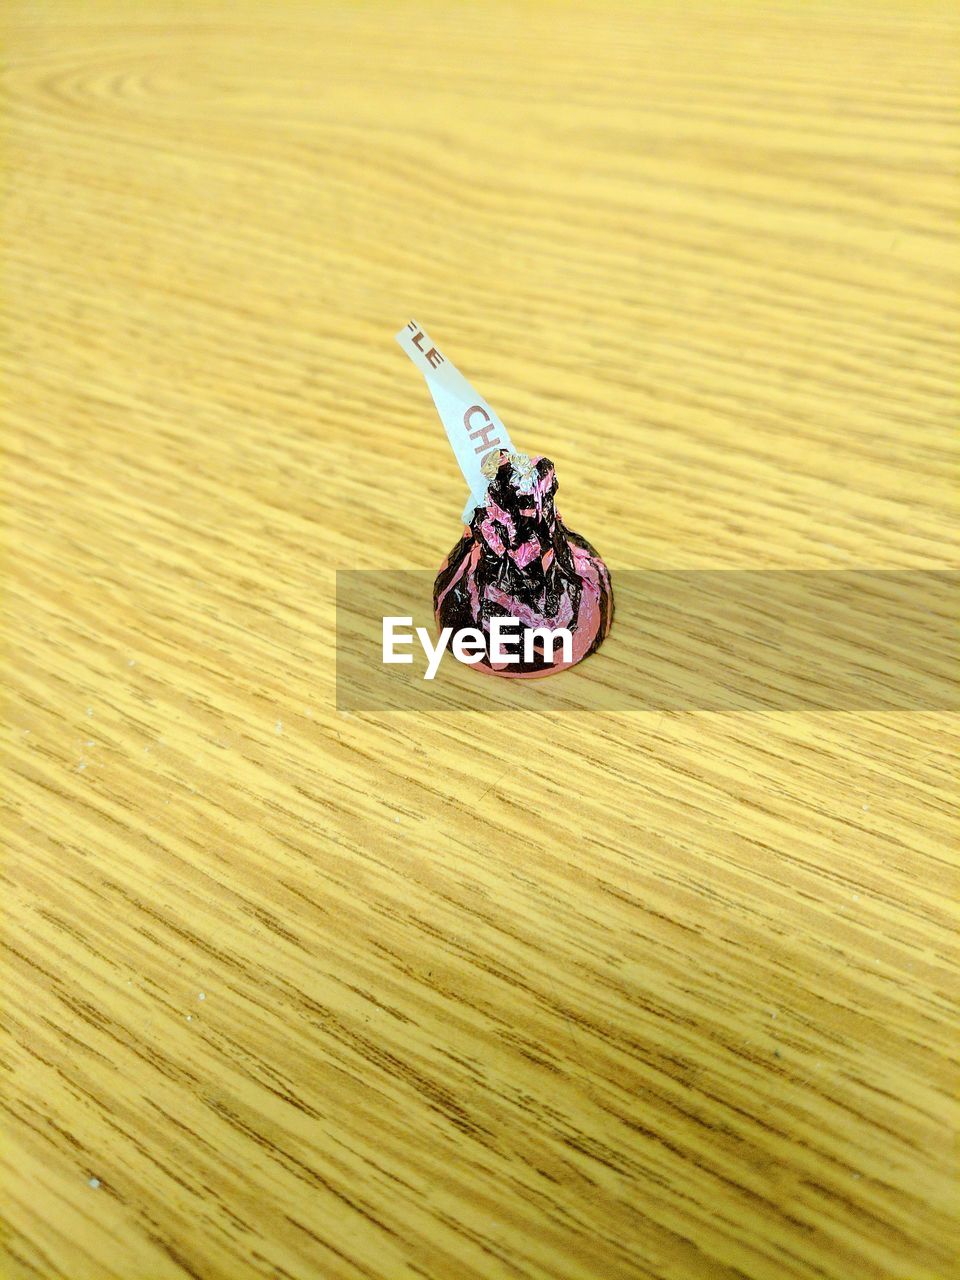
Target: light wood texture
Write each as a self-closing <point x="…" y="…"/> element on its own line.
<point x="315" y="997"/>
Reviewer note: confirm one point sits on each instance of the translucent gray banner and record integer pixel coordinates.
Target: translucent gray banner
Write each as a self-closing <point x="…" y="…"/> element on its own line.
<point x="683" y="640"/>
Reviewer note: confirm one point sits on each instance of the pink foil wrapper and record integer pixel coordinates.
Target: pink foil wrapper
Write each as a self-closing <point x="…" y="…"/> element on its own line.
<point x="517" y="558"/>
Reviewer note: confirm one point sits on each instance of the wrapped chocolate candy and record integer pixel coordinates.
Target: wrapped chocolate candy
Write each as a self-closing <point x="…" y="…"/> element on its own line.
<point x="518" y="560"/>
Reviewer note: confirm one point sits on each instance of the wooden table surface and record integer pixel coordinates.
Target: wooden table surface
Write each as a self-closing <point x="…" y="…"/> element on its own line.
<point x="309" y="996"/>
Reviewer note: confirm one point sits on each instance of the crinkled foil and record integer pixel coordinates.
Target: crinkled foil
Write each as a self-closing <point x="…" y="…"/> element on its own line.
<point x="518" y="559"/>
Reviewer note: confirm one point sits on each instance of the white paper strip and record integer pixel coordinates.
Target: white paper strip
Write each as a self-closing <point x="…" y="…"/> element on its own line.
<point x="472" y="427"/>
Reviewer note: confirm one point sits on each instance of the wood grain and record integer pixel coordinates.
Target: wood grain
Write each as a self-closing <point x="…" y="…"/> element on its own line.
<point x="306" y="996"/>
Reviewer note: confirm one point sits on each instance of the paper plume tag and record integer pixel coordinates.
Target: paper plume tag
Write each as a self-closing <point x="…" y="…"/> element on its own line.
<point x="472" y="427"/>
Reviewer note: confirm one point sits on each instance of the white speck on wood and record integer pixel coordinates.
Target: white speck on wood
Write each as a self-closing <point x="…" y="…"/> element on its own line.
<point x="93" y="1182"/>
